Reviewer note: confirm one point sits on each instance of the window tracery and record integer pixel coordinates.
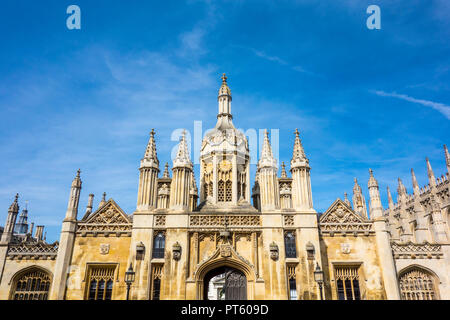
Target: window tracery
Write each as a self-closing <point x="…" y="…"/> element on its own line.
<point x="417" y="285"/>
<point x="32" y="285"/>
<point x="101" y="281"/>
<point x="347" y="283"/>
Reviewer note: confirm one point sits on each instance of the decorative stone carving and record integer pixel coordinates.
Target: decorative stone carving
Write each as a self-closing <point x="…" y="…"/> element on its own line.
<point x="104" y="248"/>
<point x="288" y="221"/>
<point x="160" y="220"/>
<point x="37" y="251"/>
<point x="345" y="248"/>
<point x="416" y="251"/>
<point x="274" y="251"/>
<point x="108" y="220"/>
<point x="176" y="251"/>
<point x="339" y="218"/>
<point x="219" y="221"/>
<point x="225" y="251"/>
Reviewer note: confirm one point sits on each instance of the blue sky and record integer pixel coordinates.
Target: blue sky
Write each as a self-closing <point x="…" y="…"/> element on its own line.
<point x="88" y="98"/>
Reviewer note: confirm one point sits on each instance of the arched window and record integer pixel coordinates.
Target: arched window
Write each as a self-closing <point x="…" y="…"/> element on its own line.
<point x="417" y="284"/>
<point x="289" y="244"/>
<point x="159" y="245"/>
<point x="31" y="285"/>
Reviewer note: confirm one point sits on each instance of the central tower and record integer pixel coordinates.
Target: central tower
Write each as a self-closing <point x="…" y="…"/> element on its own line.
<point x="224" y="159"/>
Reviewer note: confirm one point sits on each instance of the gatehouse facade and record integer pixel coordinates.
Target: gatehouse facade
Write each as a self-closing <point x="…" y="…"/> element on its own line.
<point x="221" y="238"/>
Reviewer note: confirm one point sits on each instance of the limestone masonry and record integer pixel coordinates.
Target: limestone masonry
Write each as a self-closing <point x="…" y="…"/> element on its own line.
<point x="222" y="239"/>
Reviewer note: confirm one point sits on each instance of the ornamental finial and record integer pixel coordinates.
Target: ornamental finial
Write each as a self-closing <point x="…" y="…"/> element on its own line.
<point x="224" y="77"/>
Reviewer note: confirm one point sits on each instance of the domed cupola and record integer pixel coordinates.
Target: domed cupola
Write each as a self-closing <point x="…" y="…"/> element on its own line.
<point x="224" y="158"/>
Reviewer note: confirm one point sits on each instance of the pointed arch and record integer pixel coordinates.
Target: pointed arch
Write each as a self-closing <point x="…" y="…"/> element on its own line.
<point x="418" y="283"/>
<point x="31" y="283"/>
<point x="217" y="260"/>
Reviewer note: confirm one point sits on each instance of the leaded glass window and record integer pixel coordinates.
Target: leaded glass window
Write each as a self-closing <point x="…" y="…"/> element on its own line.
<point x="289" y="243"/>
<point x="159" y="245"/>
<point x="417" y="285"/>
<point x="32" y="285"/>
<point x="347" y="283"/>
<point x="101" y="280"/>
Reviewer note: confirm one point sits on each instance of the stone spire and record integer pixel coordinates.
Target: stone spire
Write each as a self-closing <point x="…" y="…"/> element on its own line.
<point x="447" y="158"/>
<point x="148" y="176"/>
<point x="224" y="98"/>
<point x="267" y="159"/>
<point x="301" y="179"/>
<point x="74" y="198"/>
<point x="181" y="178"/>
<point x="382" y="237"/>
<point x="346" y="200"/>
<point x="359" y="201"/>
<point x="150" y="157"/>
<point x="166" y="171"/>
<point x="283" y="171"/>
<point x="390" y="201"/>
<point x="268" y="180"/>
<point x="103" y="201"/>
<point x="375" y="201"/>
<point x="299" y="156"/>
<point x="193" y="193"/>
<point x="182" y="158"/>
<point x="414" y="183"/>
<point x="401" y="190"/>
<point x="431" y="177"/>
<point x="66" y="243"/>
<point x="11" y="220"/>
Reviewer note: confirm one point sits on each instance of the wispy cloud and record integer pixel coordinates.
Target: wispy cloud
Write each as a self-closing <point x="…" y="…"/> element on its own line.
<point x="283" y="62"/>
<point x="442" y="108"/>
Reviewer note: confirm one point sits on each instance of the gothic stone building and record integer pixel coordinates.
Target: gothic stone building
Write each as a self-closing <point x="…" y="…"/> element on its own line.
<point x="229" y="241"/>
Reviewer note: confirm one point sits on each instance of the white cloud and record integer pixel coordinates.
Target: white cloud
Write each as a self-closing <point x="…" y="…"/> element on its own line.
<point x="442" y="108"/>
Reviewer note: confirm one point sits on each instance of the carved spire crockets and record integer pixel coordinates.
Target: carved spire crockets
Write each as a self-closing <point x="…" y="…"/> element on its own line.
<point x="299" y="157"/>
<point x="74" y="198"/>
<point x="447" y="158"/>
<point x="268" y="180"/>
<point x="181" y="178"/>
<point x="148" y="176"/>
<point x="150" y="159"/>
<point x="224" y="99"/>
<point x="401" y="190"/>
<point x="11" y="220"/>
<point x="182" y="158"/>
<point x="301" y="180"/>
<point x="375" y="201"/>
<point x="359" y="201"/>
<point x="390" y="200"/>
<point x="431" y="178"/>
<point x="415" y="184"/>
<point x="267" y="160"/>
<point x="166" y="173"/>
<point x="193" y="192"/>
<point x="283" y="170"/>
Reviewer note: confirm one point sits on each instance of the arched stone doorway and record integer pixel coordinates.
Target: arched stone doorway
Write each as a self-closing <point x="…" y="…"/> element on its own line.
<point x="417" y="283"/>
<point x="225" y="283"/>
